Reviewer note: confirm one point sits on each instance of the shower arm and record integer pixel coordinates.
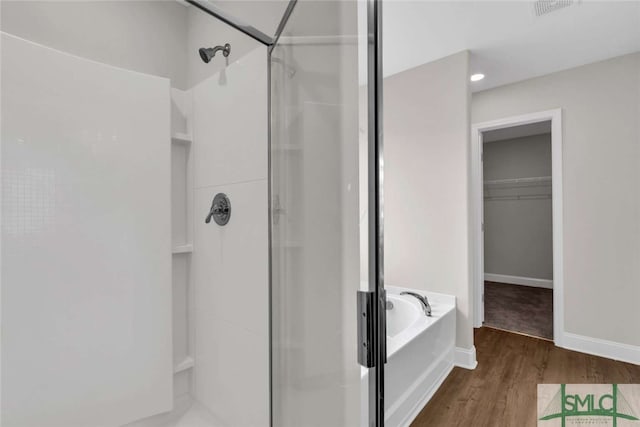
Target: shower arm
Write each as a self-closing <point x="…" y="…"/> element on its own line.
<point x="226" y="49"/>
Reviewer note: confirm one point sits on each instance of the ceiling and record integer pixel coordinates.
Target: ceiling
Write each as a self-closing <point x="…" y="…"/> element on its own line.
<point x="310" y="18"/>
<point x="264" y="15"/>
<point x="507" y="41"/>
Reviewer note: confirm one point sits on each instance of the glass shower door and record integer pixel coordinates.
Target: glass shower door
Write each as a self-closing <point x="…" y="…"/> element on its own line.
<point x="316" y="217"/>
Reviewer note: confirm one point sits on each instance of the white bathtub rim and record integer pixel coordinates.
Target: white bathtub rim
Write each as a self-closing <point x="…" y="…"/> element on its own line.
<point x="436" y="297"/>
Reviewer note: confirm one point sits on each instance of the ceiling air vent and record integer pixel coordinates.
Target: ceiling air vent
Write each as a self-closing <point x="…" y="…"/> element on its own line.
<point x="543" y="7"/>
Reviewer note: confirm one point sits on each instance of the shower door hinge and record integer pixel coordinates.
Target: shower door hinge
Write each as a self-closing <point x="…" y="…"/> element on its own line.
<point x="277" y="210"/>
<point x="365" y="329"/>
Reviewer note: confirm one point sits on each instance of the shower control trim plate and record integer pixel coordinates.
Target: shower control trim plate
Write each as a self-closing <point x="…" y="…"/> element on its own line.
<point x="220" y="210"/>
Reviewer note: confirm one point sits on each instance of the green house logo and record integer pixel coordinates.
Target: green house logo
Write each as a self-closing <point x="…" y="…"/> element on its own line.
<point x="583" y="406"/>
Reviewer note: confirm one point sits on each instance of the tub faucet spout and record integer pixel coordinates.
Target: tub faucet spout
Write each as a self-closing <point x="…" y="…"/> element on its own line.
<point x="423" y="300"/>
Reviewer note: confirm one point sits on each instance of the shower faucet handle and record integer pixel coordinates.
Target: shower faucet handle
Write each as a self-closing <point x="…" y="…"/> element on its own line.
<point x="220" y="210"/>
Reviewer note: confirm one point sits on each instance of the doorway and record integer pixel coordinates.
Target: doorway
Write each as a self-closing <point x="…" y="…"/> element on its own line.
<point x="517" y="196"/>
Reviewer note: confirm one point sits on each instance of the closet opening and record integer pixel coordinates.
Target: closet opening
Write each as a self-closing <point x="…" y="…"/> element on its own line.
<point x="517" y="196"/>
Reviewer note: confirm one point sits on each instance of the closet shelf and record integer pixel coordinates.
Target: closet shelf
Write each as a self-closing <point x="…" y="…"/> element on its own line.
<point x="181" y="138"/>
<point x="519" y="197"/>
<point x="182" y="249"/>
<point x="534" y="181"/>
<point x="186" y="363"/>
<point x="532" y="188"/>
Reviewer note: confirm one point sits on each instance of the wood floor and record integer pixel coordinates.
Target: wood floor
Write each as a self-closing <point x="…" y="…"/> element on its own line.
<point x="501" y="391"/>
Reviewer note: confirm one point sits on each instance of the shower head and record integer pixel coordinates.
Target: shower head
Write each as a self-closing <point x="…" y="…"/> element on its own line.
<point x="206" y="53"/>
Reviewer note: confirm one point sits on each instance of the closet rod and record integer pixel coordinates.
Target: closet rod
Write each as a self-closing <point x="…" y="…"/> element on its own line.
<point x="527" y="197"/>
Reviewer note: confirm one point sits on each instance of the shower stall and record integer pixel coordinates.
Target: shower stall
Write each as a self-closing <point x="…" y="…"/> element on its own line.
<point x="193" y="245"/>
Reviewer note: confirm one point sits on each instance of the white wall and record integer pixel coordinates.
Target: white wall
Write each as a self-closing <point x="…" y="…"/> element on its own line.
<point x="426" y="147"/>
<point x="145" y="36"/>
<point x="601" y="165"/>
<point x="518" y="233"/>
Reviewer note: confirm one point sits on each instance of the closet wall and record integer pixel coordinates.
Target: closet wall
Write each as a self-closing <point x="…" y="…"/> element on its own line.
<point x="517" y="209"/>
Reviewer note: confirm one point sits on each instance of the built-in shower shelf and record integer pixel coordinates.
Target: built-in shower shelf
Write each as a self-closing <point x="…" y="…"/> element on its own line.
<point x="186" y="363"/>
<point x="181" y="138"/>
<point x="182" y="249"/>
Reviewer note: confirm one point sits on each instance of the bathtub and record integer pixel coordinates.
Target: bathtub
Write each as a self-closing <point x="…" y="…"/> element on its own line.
<point x="420" y="352"/>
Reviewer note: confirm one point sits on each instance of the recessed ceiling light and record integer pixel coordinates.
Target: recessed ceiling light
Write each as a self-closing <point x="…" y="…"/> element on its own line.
<point x="477" y="77"/>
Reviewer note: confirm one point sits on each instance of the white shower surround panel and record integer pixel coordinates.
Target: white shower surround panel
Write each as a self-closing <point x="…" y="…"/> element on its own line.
<point x="230" y="263"/>
<point x="230" y="123"/>
<point x="86" y="298"/>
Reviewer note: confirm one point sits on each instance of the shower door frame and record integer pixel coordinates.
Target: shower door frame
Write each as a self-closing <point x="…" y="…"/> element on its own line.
<point x="375" y="185"/>
<point x="375" y="163"/>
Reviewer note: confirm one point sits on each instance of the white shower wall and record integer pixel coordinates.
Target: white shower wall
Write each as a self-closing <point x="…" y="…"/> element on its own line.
<point x="86" y="291"/>
<point x="230" y="263"/>
<point x="219" y="292"/>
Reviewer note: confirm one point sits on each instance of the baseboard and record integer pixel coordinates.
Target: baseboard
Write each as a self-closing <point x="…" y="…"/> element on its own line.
<point x="603" y="348"/>
<point x="465" y="357"/>
<point x="518" y="280"/>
